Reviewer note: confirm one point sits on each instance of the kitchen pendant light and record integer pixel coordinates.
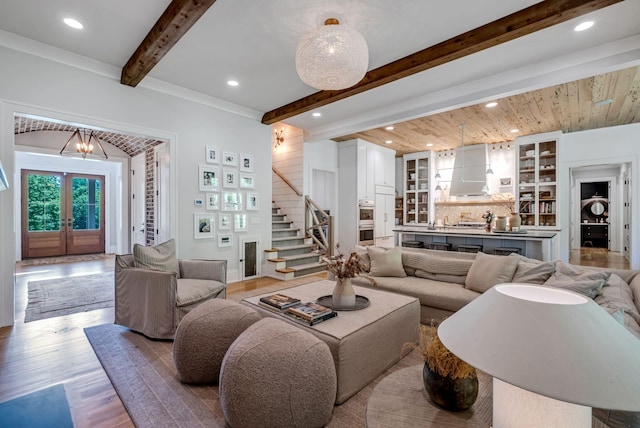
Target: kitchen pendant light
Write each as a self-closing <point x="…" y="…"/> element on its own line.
<point x="332" y="57"/>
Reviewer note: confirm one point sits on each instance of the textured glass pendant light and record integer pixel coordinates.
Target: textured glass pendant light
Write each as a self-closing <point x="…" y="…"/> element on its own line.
<point x="332" y="57"/>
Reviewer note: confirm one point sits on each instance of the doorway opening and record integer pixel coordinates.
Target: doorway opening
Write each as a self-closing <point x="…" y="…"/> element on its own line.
<point x="61" y="214"/>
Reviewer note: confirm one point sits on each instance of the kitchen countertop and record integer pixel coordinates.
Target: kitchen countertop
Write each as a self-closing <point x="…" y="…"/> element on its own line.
<point x="476" y="232"/>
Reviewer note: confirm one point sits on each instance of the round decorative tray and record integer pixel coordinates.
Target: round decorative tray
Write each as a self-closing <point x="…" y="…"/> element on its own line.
<point x="361" y="303"/>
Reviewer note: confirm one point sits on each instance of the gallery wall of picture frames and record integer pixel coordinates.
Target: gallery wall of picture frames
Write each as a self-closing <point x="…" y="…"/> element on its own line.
<point x="226" y="179"/>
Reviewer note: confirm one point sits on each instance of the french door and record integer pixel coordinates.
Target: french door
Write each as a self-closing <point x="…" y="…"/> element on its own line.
<point x="62" y="213"/>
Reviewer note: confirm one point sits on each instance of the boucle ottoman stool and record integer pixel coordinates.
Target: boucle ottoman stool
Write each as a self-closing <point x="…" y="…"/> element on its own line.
<point x="204" y="335"/>
<point x="277" y="375"/>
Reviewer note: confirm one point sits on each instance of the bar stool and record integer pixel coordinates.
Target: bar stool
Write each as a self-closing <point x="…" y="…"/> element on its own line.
<point x="439" y="246"/>
<point x="505" y="251"/>
<point x="469" y="248"/>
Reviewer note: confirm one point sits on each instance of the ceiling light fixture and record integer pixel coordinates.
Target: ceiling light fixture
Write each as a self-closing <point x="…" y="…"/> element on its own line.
<point x="279" y="138"/>
<point x="437" y="175"/>
<point x="583" y="26"/>
<point x="438" y="187"/>
<point x="493" y="148"/>
<point x="388" y="142"/>
<point x="73" y="23"/>
<point x="514" y="130"/>
<point x="489" y="170"/>
<point x="332" y="57"/>
<point x="316" y="114"/>
<point x="233" y="83"/>
<point x="491" y="104"/>
<point x="429" y="144"/>
<point x="83" y="146"/>
<point x="389" y="128"/>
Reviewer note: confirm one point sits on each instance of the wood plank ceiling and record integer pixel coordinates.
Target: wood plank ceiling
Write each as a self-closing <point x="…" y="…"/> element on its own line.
<point x="570" y="107"/>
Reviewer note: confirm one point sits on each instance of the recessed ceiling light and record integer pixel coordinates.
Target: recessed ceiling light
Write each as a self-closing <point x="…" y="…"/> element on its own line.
<point x="603" y="102"/>
<point x="232" y="82"/>
<point x="583" y="26"/>
<point x="389" y="128"/>
<point x="514" y="130"/>
<point x="388" y="142"/>
<point x="316" y="114"/>
<point x="491" y="104"/>
<point x="73" y="23"/>
<point x="429" y="144"/>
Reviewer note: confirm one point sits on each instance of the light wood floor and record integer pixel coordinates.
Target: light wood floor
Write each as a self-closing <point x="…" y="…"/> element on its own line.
<point x="43" y="353"/>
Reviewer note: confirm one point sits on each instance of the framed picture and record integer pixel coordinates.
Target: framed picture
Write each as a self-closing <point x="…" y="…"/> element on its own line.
<point x="247" y="181"/>
<point x="240" y="224"/>
<point x="231" y="201"/>
<point x="224" y="222"/>
<point x="212" y="154"/>
<point x="208" y="178"/>
<point x="203" y="225"/>
<point x="213" y="201"/>
<point x="252" y="201"/>
<point x="225" y="240"/>
<point x="246" y="162"/>
<point x="230" y="178"/>
<point x="230" y="159"/>
<point x="506" y="181"/>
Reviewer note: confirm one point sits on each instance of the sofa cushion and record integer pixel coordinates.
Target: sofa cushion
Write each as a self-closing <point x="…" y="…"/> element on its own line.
<point x="160" y="257"/>
<point x="635" y="289"/>
<point x="443" y="277"/>
<point x="488" y="270"/>
<point x="436" y="294"/>
<point x="364" y="256"/>
<point x="531" y="271"/>
<point x="386" y="262"/>
<point x="435" y="261"/>
<point x="616" y="295"/>
<point x="191" y="291"/>
<point x="569" y="277"/>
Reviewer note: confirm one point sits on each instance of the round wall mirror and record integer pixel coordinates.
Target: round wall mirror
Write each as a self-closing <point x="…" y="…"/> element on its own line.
<point x="597" y="208"/>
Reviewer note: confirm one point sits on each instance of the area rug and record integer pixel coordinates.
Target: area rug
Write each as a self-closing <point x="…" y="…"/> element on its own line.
<point x="41" y="409"/>
<point x="144" y="376"/>
<point x="62" y="296"/>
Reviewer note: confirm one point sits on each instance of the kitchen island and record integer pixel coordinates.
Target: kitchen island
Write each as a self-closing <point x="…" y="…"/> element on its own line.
<point x="535" y="244"/>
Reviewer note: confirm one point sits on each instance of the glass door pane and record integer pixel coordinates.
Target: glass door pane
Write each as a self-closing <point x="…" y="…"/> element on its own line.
<point x="86" y="195"/>
<point x="44" y="200"/>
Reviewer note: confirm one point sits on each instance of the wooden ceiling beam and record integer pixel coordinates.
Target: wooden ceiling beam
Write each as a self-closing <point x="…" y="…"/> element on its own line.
<point x="175" y="21"/>
<point x="526" y="21"/>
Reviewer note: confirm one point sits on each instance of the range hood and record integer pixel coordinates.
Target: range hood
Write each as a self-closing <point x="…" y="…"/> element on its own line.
<point x="470" y="171"/>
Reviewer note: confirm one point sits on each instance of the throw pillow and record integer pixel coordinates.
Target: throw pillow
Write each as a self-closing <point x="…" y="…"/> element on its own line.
<point x="386" y="262"/>
<point x="159" y="257"/>
<point x="364" y="255"/>
<point x="487" y="271"/>
<point x="617" y="295"/>
<point x="569" y="277"/>
<point x="532" y="271"/>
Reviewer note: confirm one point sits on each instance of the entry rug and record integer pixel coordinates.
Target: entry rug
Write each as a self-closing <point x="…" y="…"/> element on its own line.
<point x="41" y="409"/>
<point x="63" y="296"/>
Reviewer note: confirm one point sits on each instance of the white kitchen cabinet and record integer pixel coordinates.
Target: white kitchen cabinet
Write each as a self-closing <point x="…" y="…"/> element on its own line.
<point x="384" y="166"/>
<point x="384" y="216"/>
<point x="417" y="201"/>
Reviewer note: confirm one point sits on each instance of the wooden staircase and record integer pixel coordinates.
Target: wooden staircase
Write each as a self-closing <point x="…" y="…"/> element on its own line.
<point x="292" y="255"/>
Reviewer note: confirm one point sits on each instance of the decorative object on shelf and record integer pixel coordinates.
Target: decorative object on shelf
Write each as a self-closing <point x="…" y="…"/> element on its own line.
<point x="518" y="333"/>
<point x="343" y="270"/>
<point x="515" y="221"/>
<point x="501" y="223"/>
<point x="83" y="146"/>
<point x="332" y="57"/>
<point x="278" y="137"/>
<point x="488" y="217"/>
<point x="450" y="382"/>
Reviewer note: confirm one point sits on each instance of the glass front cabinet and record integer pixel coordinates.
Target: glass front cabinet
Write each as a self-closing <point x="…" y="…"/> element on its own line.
<point x="416" y="188"/>
<point x="537" y="185"/>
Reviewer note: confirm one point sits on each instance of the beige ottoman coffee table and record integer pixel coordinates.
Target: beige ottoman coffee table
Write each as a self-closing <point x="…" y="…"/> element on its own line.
<point x="363" y="343"/>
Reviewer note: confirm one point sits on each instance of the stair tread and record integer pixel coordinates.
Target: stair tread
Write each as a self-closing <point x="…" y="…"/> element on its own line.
<point x="307" y="266"/>
<point x="285" y="270"/>
<point x="286" y="238"/>
<point x="300" y="256"/>
<point x="281" y="222"/>
<point x="293" y="247"/>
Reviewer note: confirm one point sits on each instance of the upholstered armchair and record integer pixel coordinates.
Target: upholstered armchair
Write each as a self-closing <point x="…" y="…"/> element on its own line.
<point x="153" y="302"/>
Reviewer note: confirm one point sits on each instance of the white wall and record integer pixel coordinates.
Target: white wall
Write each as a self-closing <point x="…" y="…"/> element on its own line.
<point x="34" y="85"/>
<point x="613" y="145"/>
<point x="288" y="159"/>
<point x="322" y="156"/>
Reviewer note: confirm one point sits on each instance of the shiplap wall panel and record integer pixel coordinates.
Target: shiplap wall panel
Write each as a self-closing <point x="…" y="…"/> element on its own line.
<point x="288" y="158"/>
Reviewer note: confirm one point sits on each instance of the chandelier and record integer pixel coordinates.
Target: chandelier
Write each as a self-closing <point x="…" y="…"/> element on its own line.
<point x="83" y="146"/>
<point x="332" y="57"/>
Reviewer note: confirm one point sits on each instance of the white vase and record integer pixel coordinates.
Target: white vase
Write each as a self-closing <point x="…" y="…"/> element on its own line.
<point x="344" y="296"/>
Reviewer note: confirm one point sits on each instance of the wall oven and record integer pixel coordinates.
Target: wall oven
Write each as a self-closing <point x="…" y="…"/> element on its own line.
<point x="366" y="208"/>
<point x="365" y="235"/>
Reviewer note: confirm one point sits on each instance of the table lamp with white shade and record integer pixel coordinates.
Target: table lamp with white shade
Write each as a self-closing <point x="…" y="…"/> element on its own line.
<point x="553" y="354"/>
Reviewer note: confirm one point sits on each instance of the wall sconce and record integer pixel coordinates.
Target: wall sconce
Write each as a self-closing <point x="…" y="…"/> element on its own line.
<point x="279" y="137"/>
